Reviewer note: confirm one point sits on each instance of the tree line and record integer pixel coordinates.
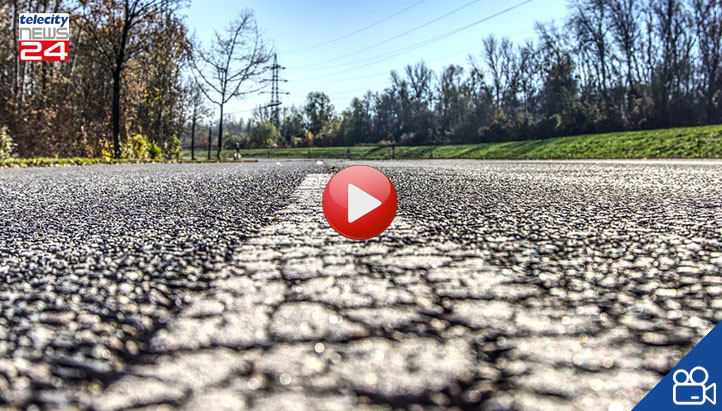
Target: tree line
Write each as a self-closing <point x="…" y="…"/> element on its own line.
<point x="611" y="65"/>
<point x="123" y="79"/>
<point x="136" y="78"/>
<point x="134" y="82"/>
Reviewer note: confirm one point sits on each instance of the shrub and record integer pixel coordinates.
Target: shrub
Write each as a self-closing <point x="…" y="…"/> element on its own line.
<point x="106" y="150"/>
<point x="136" y="148"/>
<point x="172" y="149"/>
<point x="153" y="150"/>
<point x="6" y="144"/>
<point x="230" y="142"/>
<point x="327" y="136"/>
<point x="264" y="134"/>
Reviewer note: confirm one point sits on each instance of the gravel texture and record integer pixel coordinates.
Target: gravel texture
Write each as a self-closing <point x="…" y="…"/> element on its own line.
<point x="500" y="285"/>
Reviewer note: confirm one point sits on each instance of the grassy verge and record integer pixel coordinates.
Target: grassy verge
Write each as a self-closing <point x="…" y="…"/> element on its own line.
<point x="681" y="143"/>
<point x="51" y="162"/>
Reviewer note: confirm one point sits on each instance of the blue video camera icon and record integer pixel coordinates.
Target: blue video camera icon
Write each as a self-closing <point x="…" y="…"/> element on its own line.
<point x="691" y="390"/>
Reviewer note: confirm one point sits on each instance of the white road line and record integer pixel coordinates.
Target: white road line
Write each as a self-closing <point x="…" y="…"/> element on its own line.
<point x="297" y="297"/>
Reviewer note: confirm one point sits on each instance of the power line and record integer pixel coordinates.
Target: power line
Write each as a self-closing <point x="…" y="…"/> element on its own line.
<point x="324" y="80"/>
<point x="240" y="111"/>
<point x="379" y="73"/>
<point x="343" y="80"/>
<point x="368" y="88"/>
<point x="406" y="49"/>
<point x="415" y="46"/>
<point x="345" y="36"/>
<point x="393" y="37"/>
<point x="367" y="59"/>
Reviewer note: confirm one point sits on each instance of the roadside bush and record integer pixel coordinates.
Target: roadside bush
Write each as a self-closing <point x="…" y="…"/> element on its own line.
<point x="136" y="148"/>
<point x="106" y="150"/>
<point x="6" y="144"/>
<point x="264" y="134"/>
<point x="230" y="142"/>
<point x="172" y="149"/>
<point x="308" y="139"/>
<point x="328" y="134"/>
<point x="154" y="151"/>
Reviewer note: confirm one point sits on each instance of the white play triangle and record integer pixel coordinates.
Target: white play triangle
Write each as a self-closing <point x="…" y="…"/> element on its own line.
<point x="360" y="203"/>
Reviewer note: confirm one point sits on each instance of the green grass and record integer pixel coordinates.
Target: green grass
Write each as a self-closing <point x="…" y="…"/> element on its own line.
<point x="680" y="143"/>
<point x="50" y="162"/>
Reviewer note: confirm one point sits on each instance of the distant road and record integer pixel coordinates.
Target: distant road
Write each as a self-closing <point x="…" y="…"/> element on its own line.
<point x="500" y="285"/>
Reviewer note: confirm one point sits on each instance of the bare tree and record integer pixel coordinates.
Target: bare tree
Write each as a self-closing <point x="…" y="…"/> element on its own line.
<point x="503" y="66"/>
<point x="261" y="114"/>
<point x="196" y="110"/>
<point x="625" y="19"/>
<point x="708" y="23"/>
<point x="589" y="22"/>
<point x="420" y="78"/>
<point x="119" y="38"/>
<point x="236" y="58"/>
<point x="675" y="36"/>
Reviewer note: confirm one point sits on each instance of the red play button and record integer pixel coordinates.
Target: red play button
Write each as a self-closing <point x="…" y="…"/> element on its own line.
<point x="359" y="202"/>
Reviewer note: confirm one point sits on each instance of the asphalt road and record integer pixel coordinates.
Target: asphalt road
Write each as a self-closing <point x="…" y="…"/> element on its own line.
<point x="500" y="285"/>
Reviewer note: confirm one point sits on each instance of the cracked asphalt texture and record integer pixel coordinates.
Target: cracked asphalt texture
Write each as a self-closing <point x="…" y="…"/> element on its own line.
<point x="500" y="285"/>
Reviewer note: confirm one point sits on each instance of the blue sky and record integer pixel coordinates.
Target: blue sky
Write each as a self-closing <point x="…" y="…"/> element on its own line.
<point x="300" y="32"/>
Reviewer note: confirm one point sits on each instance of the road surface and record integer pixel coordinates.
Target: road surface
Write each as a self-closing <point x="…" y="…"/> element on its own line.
<point x="500" y="285"/>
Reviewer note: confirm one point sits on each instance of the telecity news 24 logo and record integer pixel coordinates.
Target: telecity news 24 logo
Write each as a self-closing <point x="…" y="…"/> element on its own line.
<point x="44" y="36"/>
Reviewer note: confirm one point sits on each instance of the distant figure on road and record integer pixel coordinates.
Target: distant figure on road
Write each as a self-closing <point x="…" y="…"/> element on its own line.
<point x="348" y="153"/>
<point x="237" y="154"/>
